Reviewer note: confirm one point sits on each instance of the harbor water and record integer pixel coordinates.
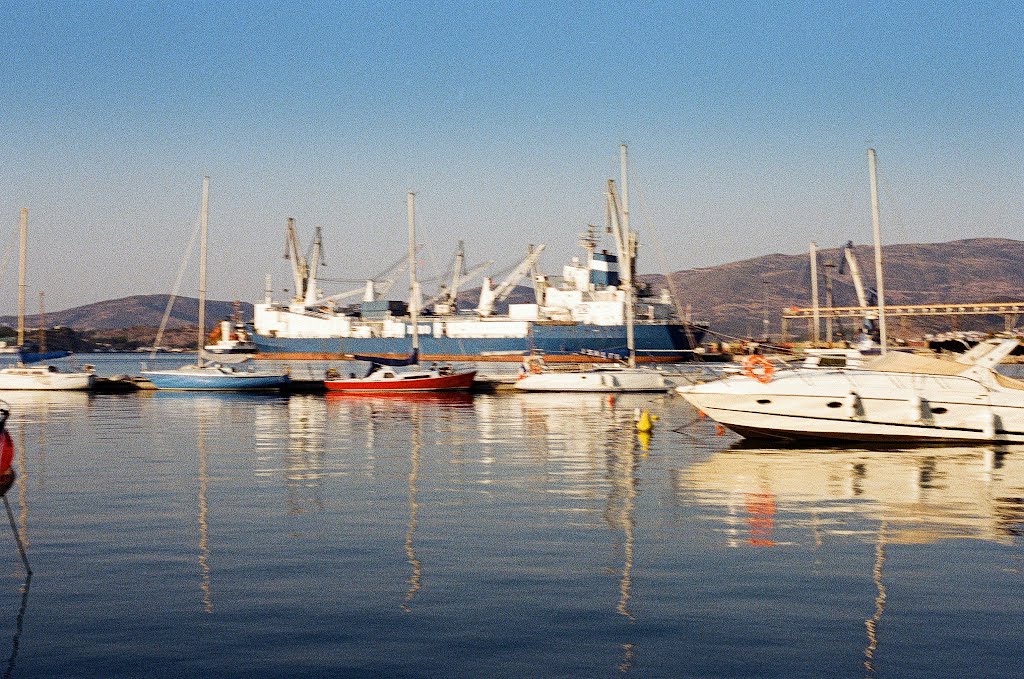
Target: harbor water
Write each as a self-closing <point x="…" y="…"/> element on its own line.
<point x="512" y="535"/>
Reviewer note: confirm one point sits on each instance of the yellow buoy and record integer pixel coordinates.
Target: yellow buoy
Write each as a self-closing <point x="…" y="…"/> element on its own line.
<point x="645" y="422"/>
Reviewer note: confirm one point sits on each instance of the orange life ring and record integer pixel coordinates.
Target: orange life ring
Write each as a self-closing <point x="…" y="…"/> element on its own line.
<point x="759" y="368"/>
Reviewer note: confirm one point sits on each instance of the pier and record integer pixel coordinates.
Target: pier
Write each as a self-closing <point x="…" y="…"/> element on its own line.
<point x="1010" y="311"/>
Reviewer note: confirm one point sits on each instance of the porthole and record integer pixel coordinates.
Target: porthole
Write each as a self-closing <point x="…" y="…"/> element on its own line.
<point x="939" y="411"/>
<point x="835" y="404"/>
<point x="763" y="401"/>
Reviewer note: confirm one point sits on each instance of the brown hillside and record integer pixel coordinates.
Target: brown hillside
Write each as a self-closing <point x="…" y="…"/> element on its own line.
<point x="135" y="311"/>
<point x="734" y="297"/>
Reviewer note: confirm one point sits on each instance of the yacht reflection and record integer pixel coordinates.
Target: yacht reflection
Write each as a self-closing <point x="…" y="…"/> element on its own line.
<point x="622" y="473"/>
<point x="571" y="433"/>
<point x="291" y="445"/>
<point x="922" y="495"/>
<point x="387" y="414"/>
<point x="871" y="624"/>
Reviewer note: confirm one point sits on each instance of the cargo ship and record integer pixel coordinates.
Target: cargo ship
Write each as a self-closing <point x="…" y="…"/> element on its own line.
<point x="578" y="316"/>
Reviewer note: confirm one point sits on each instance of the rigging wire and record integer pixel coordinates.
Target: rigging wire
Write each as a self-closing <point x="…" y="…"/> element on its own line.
<point x="177" y="286"/>
<point x="663" y="263"/>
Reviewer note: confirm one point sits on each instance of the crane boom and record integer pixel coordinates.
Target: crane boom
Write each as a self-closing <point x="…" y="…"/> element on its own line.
<point x="505" y="288"/>
<point x="489" y="296"/>
<point x="858" y="283"/>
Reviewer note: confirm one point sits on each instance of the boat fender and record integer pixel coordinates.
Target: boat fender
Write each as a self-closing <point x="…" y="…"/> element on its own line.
<point x="759" y="368"/>
<point x="6" y="451"/>
<point x="920" y="411"/>
<point x="645" y="422"/>
<point x="852" y="406"/>
<point x="992" y="425"/>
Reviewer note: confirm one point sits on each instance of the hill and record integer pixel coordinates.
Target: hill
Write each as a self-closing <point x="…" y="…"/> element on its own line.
<point x="736" y="297"/>
<point x="135" y="311"/>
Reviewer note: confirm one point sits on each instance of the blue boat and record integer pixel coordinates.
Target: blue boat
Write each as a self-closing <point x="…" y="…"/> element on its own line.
<point x="221" y="373"/>
<point x="215" y="377"/>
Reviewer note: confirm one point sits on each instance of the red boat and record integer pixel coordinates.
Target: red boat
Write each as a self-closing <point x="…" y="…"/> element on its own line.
<point x="388" y="379"/>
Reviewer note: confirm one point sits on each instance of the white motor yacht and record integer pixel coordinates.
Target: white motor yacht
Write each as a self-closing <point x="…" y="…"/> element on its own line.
<point x="610" y="378"/>
<point x="45" y="378"/>
<point x="897" y="397"/>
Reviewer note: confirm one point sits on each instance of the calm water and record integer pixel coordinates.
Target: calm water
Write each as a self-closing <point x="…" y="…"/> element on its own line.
<point x="518" y="535"/>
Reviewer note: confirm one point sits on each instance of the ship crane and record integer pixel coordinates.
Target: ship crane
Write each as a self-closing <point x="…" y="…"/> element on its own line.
<point x="444" y="302"/>
<point x="304" y="267"/>
<point x="850" y="260"/>
<point x="374" y="288"/>
<point x="488" y="295"/>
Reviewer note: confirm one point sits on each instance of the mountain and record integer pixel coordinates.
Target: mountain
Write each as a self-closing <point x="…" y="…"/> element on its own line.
<point x="135" y="311"/>
<point x="736" y="297"/>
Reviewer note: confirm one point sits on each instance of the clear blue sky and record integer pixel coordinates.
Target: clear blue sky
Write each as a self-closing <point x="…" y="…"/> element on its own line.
<point x="747" y="125"/>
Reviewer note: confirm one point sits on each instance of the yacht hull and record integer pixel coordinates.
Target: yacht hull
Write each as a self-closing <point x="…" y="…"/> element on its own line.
<point x="184" y="380"/>
<point x="38" y="380"/>
<point x="456" y="382"/>
<point x="862" y="406"/>
<point x="610" y="381"/>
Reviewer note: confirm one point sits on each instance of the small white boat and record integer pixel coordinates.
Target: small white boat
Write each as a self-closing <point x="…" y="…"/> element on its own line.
<point x="45" y="378"/>
<point x="36" y="377"/>
<point x="611" y="378"/>
<point x="895" y="398"/>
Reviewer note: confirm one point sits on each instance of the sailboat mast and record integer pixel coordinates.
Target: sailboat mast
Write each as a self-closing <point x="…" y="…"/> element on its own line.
<point x="203" y="221"/>
<point x="627" y="266"/>
<point x="816" y="313"/>
<point x="875" y="221"/>
<point x="21" y="276"/>
<point x="413" y="284"/>
<point x="42" y="322"/>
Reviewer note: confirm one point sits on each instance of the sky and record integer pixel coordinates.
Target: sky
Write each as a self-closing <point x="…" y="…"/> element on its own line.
<point x="747" y="125"/>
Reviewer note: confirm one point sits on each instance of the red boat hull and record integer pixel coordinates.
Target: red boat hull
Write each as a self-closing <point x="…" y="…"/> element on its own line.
<point x="456" y="382"/>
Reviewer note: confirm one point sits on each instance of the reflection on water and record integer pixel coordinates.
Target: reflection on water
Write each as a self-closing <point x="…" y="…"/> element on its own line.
<point x="416" y="576"/>
<point x="922" y="494"/>
<point x="206" y="575"/>
<point x="871" y="624"/>
<point x="512" y="535"/>
<point x="767" y="497"/>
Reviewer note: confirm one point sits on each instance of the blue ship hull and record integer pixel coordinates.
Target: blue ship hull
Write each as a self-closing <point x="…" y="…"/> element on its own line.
<point x="654" y="343"/>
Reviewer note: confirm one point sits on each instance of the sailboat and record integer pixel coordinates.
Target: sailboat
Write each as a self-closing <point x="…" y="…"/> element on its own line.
<point x="384" y="378"/>
<point x="206" y="374"/>
<point x="609" y="378"/>
<point x="37" y="377"/>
